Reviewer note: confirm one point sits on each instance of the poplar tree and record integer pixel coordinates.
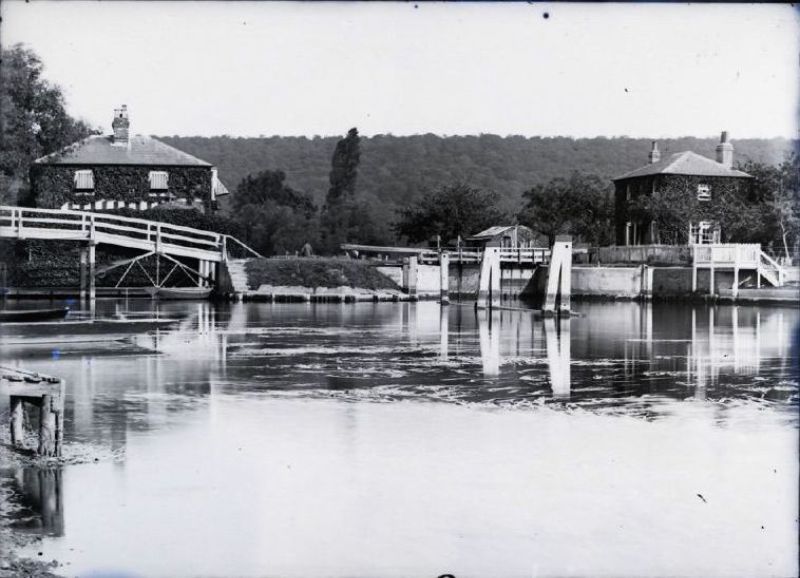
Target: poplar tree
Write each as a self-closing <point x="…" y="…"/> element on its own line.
<point x="341" y="216"/>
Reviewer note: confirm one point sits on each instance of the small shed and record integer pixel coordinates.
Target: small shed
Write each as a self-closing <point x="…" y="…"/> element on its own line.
<point x="510" y="236"/>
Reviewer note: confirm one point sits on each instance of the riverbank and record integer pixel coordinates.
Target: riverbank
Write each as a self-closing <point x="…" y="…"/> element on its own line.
<point x="318" y="279"/>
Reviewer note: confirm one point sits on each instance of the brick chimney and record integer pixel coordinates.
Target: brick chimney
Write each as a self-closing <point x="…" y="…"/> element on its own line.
<point x="121" y="124"/>
<point x="655" y="154"/>
<point x="725" y="150"/>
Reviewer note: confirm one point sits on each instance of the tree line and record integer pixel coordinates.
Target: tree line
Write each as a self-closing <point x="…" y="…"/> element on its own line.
<point x="295" y="192"/>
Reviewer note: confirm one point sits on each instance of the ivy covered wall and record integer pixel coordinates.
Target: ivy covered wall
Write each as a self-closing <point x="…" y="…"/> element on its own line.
<point x="53" y="185"/>
<point x="671" y="203"/>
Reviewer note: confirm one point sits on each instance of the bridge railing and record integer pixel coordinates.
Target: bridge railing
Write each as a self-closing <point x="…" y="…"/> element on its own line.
<point x="525" y="255"/>
<point x="86" y="225"/>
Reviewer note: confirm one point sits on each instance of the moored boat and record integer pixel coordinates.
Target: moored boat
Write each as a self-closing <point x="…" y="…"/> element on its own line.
<point x="180" y="293"/>
<point x="32" y="315"/>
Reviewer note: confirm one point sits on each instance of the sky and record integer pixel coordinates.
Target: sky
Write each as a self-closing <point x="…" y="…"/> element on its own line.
<point x="284" y="68"/>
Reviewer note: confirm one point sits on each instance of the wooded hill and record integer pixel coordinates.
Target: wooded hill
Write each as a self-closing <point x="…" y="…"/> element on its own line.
<point x="395" y="170"/>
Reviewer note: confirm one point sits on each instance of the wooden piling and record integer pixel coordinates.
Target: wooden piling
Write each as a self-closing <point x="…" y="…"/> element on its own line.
<point x="17" y="420"/>
<point x="444" y="278"/>
<point x="559" y="276"/>
<point x="489" y="279"/>
<point x="47" y="427"/>
<point x="47" y="394"/>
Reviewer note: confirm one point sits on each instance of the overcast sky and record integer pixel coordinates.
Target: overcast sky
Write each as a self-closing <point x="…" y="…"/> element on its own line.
<point x="245" y="69"/>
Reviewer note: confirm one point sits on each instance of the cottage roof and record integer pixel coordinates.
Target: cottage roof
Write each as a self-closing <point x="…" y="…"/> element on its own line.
<point x="140" y="150"/>
<point x="493" y="232"/>
<point x="685" y="163"/>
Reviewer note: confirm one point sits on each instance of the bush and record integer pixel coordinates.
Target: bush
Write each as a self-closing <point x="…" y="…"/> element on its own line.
<point x="316" y="272"/>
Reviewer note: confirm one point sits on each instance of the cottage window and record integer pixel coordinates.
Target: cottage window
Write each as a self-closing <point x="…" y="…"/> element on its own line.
<point x="84" y="181"/>
<point x="158" y="180"/>
<point x="703" y="192"/>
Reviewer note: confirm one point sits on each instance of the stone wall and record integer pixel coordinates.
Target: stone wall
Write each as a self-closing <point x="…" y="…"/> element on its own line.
<point x="610" y="282"/>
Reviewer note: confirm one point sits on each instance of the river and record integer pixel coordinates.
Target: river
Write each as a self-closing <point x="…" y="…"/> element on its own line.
<point x="407" y="439"/>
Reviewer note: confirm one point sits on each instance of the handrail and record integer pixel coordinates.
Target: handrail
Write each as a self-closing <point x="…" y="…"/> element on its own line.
<point x="771" y="261"/>
<point x="114" y="229"/>
<point x="776" y="266"/>
<point x="242" y="244"/>
<point x="82" y="215"/>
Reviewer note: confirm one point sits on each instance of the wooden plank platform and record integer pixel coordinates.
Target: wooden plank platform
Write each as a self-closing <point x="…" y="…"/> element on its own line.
<point x="43" y="392"/>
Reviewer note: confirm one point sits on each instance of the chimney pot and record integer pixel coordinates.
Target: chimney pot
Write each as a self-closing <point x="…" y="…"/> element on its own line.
<point x="121" y="126"/>
<point x="655" y="154"/>
<point x="725" y="150"/>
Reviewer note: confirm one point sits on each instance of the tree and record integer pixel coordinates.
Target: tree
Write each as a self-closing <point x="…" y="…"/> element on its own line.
<point x="579" y="205"/>
<point x="271" y="186"/>
<point x="344" y="168"/>
<point x="776" y="192"/>
<point x="453" y="211"/>
<point x="274" y="217"/>
<point x="33" y="119"/>
<point x="341" y="215"/>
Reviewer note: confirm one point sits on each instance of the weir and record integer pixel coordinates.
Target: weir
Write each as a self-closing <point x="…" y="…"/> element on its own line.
<point x="491" y="274"/>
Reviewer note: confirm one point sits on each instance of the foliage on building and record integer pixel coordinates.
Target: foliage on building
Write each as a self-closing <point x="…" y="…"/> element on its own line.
<point x="117" y="187"/>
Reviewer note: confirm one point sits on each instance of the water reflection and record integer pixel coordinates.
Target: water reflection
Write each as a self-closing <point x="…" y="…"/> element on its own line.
<point x="489" y="340"/>
<point x="38" y="499"/>
<point x="557" y="338"/>
<point x="614" y="354"/>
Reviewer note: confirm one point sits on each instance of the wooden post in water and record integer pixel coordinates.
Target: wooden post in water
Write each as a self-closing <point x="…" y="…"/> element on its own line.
<point x="496" y="294"/>
<point x="47" y="427"/>
<point x="444" y="278"/>
<point x="489" y="279"/>
<point x="17" y="420"/>
<point x="412" y="276"/>
<point x="559" y="276"/>
<point x="47" y="394"/>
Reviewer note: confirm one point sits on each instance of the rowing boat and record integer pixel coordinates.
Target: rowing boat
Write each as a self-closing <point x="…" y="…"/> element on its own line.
<point x="32" y="315"/>
<point x="179" y="293"/>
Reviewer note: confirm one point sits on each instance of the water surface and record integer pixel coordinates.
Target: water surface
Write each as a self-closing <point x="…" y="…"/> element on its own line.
<point x="406" y="439"/>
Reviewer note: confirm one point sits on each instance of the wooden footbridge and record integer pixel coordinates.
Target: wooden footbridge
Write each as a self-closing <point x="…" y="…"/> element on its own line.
<point x="152" y="238"/>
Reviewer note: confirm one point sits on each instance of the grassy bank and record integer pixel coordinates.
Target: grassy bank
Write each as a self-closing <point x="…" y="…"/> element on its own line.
<point x="316" y="272"/>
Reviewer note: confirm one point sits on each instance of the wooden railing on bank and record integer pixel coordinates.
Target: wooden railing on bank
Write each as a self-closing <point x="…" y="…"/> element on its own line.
<point x="739" y="256"/>
<point x="455" y="254"/>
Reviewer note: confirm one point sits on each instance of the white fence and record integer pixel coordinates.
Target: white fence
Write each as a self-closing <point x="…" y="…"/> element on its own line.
<point x="59" y="224"/>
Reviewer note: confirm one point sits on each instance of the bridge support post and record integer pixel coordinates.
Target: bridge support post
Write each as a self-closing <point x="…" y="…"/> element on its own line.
<point x="88" y="264"/>
<point x="559" y="276"/>
<point x="444" y="278"/>
<point x="84" y="260"/>
<point x="711" y="289"/>
<point x="91" y="271"/>
<point x="205" y="270"/>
